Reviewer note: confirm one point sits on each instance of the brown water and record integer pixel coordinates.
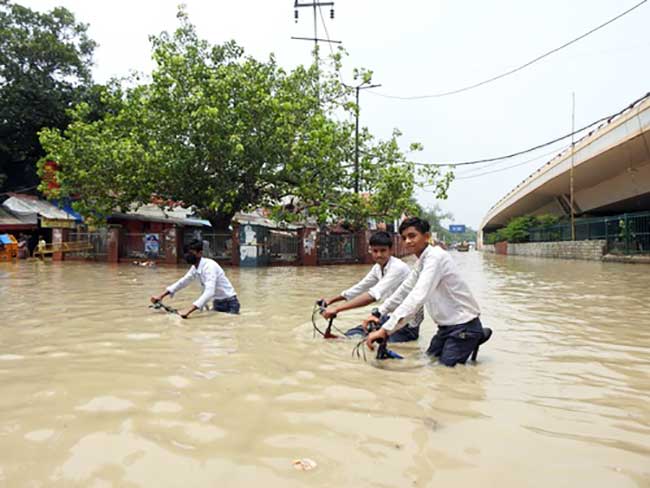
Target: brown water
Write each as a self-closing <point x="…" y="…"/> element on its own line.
<point x="98" y="390"/>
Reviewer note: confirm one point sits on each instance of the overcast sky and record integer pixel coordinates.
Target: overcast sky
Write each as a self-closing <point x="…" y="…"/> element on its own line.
<point x="425" y="46"/>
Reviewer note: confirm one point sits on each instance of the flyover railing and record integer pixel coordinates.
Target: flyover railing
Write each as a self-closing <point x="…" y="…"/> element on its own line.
<point x="625" y="234"/>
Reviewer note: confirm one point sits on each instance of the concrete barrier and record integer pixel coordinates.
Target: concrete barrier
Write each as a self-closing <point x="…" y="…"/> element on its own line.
<point x="585" y="250"/>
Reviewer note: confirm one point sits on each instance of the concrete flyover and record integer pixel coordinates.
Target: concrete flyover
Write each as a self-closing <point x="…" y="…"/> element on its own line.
<point x="611" y="167"/>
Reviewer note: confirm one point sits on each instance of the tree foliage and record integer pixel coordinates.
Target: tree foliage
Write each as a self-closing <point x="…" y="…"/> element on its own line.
<point x="222" y="131"/>
<point x="45" y="61"/>
<point x="518" y="228"/>
<point x="436" y="216"/>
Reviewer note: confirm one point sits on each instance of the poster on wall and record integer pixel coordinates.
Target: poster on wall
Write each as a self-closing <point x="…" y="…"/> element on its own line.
<point x="152" y="245"/>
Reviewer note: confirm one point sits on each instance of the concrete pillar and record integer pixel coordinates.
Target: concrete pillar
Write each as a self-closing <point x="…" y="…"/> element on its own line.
<point x="113" y="255"/>
<point x="58" y="237"/>
<point x="234" y="257"/>
<point x="180" y="242"/>
<point x="171" y="243"/>
<point x="362" y="244"/>
<point x="248" y="245"/>
<point x="308" y="251"/>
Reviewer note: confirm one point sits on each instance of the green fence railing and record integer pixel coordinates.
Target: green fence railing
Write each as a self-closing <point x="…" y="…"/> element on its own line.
<point x="625" y="234"/>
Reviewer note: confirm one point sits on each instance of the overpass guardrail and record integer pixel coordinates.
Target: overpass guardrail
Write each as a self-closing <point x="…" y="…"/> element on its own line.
<point x="625" y="234"/>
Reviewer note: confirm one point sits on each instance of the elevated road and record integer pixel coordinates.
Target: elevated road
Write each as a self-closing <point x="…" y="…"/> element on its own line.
<point x="611" y="167"/>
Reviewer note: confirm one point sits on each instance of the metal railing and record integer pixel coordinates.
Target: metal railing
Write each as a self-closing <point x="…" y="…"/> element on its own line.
<point x="336" y="248"/>
<point x="98" y="243"/>
<point x="283" y="246"/>
<point x="625" y="234"/>
<point x="215" y="245"/>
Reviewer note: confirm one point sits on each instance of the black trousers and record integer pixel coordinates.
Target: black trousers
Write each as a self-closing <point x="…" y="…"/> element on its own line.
<point x="454" y="344"/>
<point x="405" y="334"/>
<point x="228" y="305"/>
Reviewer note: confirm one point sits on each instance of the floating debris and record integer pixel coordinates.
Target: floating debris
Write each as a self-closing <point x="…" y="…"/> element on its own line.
<point x="304" y="464"/>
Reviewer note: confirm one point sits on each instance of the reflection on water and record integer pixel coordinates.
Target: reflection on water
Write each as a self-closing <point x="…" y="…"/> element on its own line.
<point x="96" y="389"/>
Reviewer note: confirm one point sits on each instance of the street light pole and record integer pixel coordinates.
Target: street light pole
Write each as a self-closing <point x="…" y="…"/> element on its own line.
<point x="358" y="88"/>
<point x="356" y="144"/>
<point x="573" y="151"/>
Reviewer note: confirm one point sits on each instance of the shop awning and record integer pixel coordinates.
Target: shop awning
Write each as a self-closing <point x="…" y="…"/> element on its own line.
<point x="50" y="215"/>
<point x="11" y="222"/>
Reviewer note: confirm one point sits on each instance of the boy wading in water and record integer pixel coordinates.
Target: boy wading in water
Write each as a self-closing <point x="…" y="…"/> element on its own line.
<point x="384" y="278"/>
<point x="435" y="283"/>
<point x="216" y="286"/>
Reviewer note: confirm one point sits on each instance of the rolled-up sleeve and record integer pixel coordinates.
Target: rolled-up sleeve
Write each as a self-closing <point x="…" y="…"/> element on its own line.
<point x="183" y="282"/>
<point x="364" y="285"/>
<point x="428" y="279"/>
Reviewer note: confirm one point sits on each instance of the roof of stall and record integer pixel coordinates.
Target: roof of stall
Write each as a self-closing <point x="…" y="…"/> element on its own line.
<point x="28" y="204"/>
<point x="153" y="213"/>
<point x="11" y="220"/>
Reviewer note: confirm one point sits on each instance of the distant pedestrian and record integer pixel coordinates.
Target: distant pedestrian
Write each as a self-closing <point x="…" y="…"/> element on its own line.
<point x="40" y="247"/>
<point x="23" y="247"/>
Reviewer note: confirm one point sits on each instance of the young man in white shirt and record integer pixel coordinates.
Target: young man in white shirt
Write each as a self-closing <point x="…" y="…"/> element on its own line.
<point x="384" y="278"/>
<point x="216" y="286"/>
<point x="435" y="283"/>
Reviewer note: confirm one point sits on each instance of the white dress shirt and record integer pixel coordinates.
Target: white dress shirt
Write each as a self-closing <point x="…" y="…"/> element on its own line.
<point x="380" y="283"/>
<point x="435" y="283"/>
<point x="212" y="278"/>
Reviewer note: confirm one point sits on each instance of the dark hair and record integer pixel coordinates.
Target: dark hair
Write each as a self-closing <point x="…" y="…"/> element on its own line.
<point x="381" y="238"/>
<point x="420" y="225"/>
<point x="194" y="245"/>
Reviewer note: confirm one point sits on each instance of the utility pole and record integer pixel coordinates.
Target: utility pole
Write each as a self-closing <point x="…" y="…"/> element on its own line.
<point x="316" y="5"/>
<point x="573" y="128"/>
<point x="357" y="89"/>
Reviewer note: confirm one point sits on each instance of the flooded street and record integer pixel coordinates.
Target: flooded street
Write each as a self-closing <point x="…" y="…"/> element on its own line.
<point x="97" y="389"/>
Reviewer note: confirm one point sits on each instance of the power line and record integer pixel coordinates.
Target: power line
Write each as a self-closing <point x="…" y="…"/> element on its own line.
<point x="315" y="4"/>
<point x="327" y="34"/>
<point x="505" y="168"/>
<point x="21" y="190"/>
<point x="545" y="144"/>
<point x="475" y="169"/>
<point x="514" y="70"/>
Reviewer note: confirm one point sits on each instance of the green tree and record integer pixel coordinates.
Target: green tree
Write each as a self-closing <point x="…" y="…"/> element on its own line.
<point x="223" y="132"/>
<point x="518" y="228"/>
<point x="436" y="216"/>
<point x="45" y="61"/>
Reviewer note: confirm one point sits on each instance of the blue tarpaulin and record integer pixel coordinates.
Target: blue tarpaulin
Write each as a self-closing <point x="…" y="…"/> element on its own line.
<point x="66" y="206"/>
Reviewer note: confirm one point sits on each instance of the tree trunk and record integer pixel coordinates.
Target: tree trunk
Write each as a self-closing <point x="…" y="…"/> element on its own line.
<point x="219" y="221"/>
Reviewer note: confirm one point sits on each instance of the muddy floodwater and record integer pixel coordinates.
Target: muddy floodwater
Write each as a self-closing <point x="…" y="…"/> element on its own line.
<point x="98" y="390"/>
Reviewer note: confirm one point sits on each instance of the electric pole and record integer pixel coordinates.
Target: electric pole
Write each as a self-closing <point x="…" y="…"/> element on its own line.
<point x="573" y="151"/>
<point x="316" y="5"/>
<point x="357" y="89"/>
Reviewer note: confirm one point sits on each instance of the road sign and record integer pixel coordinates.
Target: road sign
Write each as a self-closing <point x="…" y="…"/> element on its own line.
<point x="457" y="229"/>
